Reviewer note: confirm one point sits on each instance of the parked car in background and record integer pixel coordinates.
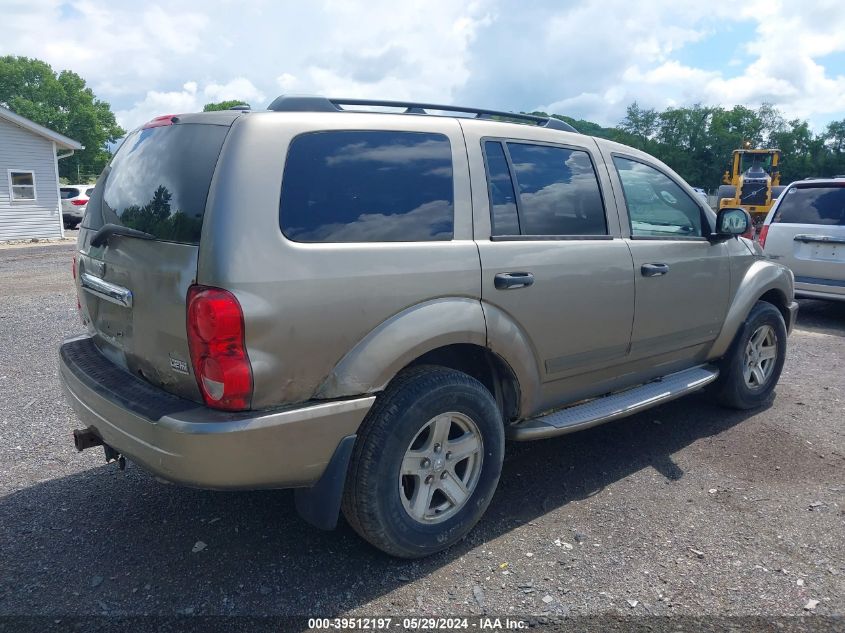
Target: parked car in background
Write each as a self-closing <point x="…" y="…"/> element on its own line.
<point x="74" y="202"/>
<point x="805" y="231"/>
<point x="364" y="306"/>
<point x="702" y="194"/>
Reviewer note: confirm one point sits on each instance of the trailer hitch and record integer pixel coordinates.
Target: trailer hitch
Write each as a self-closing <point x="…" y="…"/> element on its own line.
<point x="86" y="438"/>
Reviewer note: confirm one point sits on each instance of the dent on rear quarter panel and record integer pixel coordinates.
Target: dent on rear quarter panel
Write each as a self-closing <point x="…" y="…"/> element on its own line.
<point x="376" y="359"/>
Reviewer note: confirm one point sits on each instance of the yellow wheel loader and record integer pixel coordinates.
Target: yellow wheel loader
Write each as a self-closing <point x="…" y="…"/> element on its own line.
<point x="753" y="182"/>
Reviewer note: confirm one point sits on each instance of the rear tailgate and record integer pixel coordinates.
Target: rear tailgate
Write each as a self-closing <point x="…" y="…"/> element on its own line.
<point x="133" y="291"/>
<point x="807" y="234"/>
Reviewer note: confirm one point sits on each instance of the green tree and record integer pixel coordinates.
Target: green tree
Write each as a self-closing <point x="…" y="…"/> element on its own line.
<point x="640" y="123"/>
<point x="61" y="102"/>
<point x="697" y="141"/>
<point x="583" y="126"/>
<point x="683" y="142"/>
<point x="835" y="136"/>
<point x="223" y="105"/>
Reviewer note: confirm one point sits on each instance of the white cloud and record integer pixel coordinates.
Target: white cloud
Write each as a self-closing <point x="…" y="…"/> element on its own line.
<point x="110" y="43"/>
<point x="175" y="32"/>
<point x="239" y="88"/>
<point x="287" y="82"/>
<point x="417" y="50"/>
<point x="587" y="59"/>
<point x="189" y="99"/>
<point x="784" y="68"/>
<point x="156" y="103"/>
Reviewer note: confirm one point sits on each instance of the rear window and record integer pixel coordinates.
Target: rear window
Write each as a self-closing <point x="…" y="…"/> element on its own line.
<point x="812" y="205"/>
<point x="158" y="181"/>
<point x="69" y="192"/>
<point x="368" y="186"/>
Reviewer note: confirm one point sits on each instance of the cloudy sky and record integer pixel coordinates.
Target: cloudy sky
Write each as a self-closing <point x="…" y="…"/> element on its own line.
<point x="585" y="58"/>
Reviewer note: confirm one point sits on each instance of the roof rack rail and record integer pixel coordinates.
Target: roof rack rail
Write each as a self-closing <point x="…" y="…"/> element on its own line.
<point x="307" y="103"/>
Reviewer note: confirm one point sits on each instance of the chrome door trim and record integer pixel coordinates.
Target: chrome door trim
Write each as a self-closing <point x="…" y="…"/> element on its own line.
<point x="106" y="290"/>
<point x="824" y="239"/>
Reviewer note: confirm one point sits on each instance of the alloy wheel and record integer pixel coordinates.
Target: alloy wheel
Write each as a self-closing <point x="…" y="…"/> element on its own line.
<point x="441" y="468"/>
<point x="760" y="357"/>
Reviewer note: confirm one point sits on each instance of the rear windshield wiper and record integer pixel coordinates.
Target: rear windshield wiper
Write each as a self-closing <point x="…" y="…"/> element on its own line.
<point x="102" y="236"/>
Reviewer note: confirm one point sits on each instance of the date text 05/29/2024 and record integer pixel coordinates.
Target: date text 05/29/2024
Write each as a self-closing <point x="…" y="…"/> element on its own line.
<point x="418" y="624"/>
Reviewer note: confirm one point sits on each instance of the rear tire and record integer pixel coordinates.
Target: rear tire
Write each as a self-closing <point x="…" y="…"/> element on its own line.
<point x="410" y="492"/>
<point x="752" y="367"/>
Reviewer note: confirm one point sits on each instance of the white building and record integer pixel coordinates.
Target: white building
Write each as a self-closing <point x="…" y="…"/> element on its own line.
<point x="30" y="204"/>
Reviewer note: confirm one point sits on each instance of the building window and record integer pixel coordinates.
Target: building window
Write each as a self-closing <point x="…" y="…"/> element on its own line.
<point x="21" y="185"/>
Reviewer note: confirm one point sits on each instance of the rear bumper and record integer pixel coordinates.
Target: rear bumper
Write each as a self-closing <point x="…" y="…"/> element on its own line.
<point x="183" y="442"/>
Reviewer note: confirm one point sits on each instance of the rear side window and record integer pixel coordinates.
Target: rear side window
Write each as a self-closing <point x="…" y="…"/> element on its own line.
<point x="812" y="205"/>
<point x="368" y="186"/>
<point x="158" y="181"/>
<point x="69" y="192"/>
<point x="502" y="197"/>
<point x="557" y="191"/>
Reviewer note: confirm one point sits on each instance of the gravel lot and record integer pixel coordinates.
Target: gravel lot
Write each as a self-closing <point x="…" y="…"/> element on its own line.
<point x="686" y="509"/>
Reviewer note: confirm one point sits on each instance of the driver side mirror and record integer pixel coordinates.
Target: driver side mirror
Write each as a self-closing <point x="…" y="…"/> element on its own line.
<point x="731" y="222"/>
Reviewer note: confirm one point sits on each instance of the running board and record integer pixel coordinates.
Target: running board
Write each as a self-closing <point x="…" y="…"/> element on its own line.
<point x="614" y="406"/>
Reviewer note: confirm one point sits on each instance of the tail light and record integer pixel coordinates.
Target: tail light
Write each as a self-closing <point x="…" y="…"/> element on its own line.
<point x="78" y="202"/>
<point x="218" y="352"/>
<point x="764" y="232"/>
<point x="159" y="121"/>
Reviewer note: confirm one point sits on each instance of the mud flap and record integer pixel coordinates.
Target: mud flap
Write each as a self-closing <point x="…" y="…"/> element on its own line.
<point x="320" y="504"/>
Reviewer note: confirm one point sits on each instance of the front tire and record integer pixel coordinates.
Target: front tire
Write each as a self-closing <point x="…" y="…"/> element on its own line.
<point x="426" y="463"/>
<point x="750" y="371"/>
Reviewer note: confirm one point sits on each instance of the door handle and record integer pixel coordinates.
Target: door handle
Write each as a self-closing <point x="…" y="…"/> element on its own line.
<point x="505" y="281"/>
<point x="654" y="270"/>
<point x="106" y="290"/>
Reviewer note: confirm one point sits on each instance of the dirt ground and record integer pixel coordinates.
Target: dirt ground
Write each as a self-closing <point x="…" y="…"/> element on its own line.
<point x="687" y="509"/>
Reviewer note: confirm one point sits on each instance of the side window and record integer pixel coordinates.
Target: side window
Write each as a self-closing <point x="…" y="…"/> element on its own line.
<point x="368" y="186"/>
<point x="657" y="206"/>
<point x="21" y="185"/>
<point x="502" y="198"/>
<point x="558" y="191"/>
